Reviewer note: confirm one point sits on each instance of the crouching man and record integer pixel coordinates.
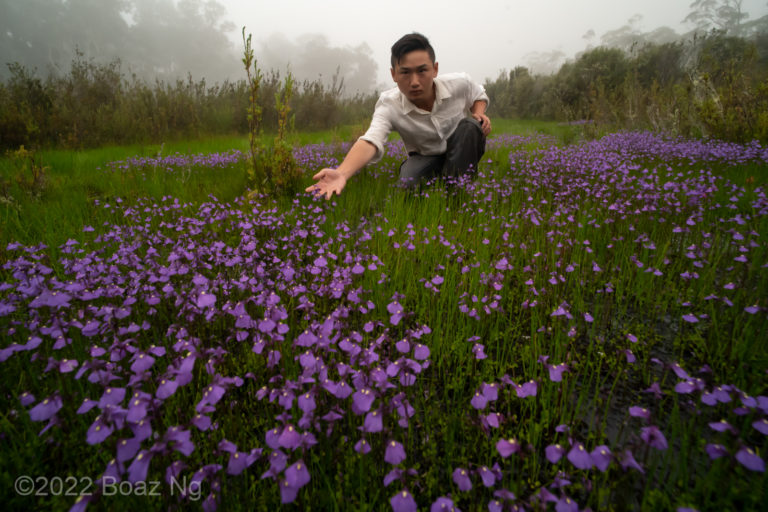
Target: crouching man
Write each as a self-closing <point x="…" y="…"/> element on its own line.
<point x="441" y="121"/>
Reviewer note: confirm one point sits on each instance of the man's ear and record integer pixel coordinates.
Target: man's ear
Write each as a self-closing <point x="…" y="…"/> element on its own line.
<point x="435" y="68"/>
<point x="392" y="70"/>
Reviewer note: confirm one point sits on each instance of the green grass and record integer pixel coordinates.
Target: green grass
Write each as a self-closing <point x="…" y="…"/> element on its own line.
<point x="462" y="236"/>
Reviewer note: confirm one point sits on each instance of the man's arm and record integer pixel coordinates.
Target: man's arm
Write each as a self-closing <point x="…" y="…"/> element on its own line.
<point x="334" y="180"/>
<point x="478" y="112"/>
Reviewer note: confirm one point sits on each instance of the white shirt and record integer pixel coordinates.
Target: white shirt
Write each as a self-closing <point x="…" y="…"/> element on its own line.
<point x="422" y="131"/>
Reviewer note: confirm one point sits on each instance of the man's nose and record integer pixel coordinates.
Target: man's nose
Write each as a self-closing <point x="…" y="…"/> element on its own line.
<point x="414" y="81"/>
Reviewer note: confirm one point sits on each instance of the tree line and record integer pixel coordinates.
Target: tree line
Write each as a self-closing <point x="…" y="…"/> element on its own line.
<point x="713" y="85"/>
<point x="96" y="104"/>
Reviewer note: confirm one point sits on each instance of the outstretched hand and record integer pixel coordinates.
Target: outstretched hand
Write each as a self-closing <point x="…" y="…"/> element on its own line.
<point x="328" y="182"/>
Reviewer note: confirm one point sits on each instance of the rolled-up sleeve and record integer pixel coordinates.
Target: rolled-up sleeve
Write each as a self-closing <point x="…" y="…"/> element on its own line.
<point x="379" y="130"/>
<point x="477" y="93"/>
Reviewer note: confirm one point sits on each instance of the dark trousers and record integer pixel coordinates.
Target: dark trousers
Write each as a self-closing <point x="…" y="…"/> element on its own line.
<point x="466" y="146"/>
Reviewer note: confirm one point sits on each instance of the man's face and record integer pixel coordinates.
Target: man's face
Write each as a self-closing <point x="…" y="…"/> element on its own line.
<point x="414" y="75"/>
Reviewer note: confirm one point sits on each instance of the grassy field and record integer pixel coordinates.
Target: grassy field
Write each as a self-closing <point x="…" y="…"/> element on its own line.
<point x="582" y="325"/>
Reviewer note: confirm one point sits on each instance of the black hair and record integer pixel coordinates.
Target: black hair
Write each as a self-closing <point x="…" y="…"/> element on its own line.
<point x="409" y="43"/>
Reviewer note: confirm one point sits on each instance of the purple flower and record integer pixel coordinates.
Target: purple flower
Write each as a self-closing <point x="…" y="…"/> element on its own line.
<point x="67" y="365"/>
<point x="639" y="412"/>
<point x="111" y="396"/>
<point x="679" y="371"/>
<point x="287" y="492"/>
<point x="395" y="453"/>
<point x="443" y="504"/>
<point x="685" y="386"/>
<point x="487" y="476"/>
<point x="137" y="471"/>
<point x="81" y="503"/>
<point x="421" y="352"/>
<point x="166" y="388"/>
<point x="722" y="426"/>
<point x="653" y="437"/>
<point x="395" y="474"/>
<point x="277" y="461"/>
<point x="527" y="389"/>
<point x="395" y="311"/>
<point x="461" y="479"/>
<point x="601" y="457"/>
<point x="362" y="446"/>
<point x="127" y="448"/>
<point x="46" y="409"/>
<point x="493" y="419"/>
<point x="715" y="451"/>
<point x="211" y="396"/>
<point x="362" y="400"/>
<point x="403" y="502"/>
<point x="297" y="474"/>
<point x="495" y="506"/>
<point x="201" y="421"/>
<point x="479" y="351"/>
<point x="556" y="372"/>
<point x="307" y="402"/>
<point x="566" y="504"/>
<point x="554" y="453"/>
<point x="504" y="494"/>
<point x="180" y="440"/>
<point x="142" y="362"/>
<point x="628" y="461"/>
<point x="750" y="460"/>
<point x="507" y="447"/>
<point x="373" y="422"/>
<point x="206" y="300"/>
<point x="761" y="426"/>
<point x="490" y="391"/>
<point x="27" y="398"/>
<point x="98" y="431"/>
<point x="479" y="401"/>
<point x="654" y="388"/>
<point x="580" y="457"/>
<point x="289" y="438"/>
<point x="238" y="461"/>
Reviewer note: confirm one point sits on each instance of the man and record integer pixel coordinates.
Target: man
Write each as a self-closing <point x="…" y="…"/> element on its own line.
<point x="441" y="121"/>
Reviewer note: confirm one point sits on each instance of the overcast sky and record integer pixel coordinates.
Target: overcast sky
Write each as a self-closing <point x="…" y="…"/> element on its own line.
<point x="480" y="37"/>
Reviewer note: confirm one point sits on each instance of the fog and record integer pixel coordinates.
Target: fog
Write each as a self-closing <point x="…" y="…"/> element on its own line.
<point x="345" y="40"/>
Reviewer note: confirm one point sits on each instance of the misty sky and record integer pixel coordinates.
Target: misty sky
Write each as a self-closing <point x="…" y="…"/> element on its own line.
<point x="480" y="37"/>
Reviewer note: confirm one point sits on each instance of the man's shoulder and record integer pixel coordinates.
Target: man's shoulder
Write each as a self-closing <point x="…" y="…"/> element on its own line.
<point x="389" y="98"/>
<point x="458" y="76"/>
<point x="392" y="94"/>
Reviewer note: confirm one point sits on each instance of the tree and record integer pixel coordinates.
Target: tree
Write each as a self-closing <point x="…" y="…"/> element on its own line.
<point x="154" y="38"/>
<point x="725" y="15"/>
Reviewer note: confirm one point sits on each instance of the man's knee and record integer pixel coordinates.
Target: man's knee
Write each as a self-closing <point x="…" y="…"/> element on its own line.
<point x="419" y="167"/>
<point x="469" y="126"/>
